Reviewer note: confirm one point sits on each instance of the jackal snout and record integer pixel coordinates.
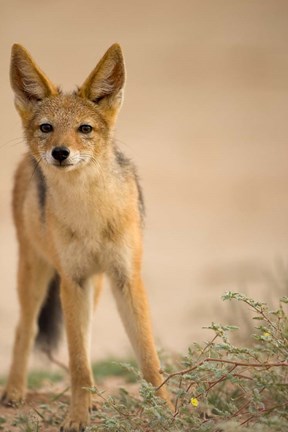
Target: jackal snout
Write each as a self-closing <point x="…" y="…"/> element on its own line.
<point x="63" y="155"/>
<point x="60" y="154"/>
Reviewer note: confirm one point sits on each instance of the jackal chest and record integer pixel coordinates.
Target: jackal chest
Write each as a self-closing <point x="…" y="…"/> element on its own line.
<point x="87" y="244"/>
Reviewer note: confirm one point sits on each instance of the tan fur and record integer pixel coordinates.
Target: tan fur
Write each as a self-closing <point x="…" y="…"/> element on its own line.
<point x="89" y="224"/>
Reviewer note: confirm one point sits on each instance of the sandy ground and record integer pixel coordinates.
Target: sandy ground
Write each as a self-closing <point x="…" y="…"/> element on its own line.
<point x="205" y="119"/>
<point x="46" y="407"/>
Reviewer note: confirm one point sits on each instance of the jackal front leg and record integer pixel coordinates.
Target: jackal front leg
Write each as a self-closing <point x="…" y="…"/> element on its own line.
<point x="77" y="304"/>
<point x="133" y="307"/>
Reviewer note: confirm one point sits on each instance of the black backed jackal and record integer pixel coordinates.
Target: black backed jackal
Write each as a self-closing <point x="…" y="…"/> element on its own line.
<point x="78" y="211"/>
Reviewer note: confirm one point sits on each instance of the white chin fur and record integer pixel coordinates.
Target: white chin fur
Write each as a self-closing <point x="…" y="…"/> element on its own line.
<point x="72" y="162"/>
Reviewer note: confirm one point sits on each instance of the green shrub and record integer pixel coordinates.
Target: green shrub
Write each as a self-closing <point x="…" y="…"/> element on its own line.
<point x="216" y="387"/>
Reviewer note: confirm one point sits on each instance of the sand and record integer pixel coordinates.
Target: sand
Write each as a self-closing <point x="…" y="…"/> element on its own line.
<point x="204" y="118"/>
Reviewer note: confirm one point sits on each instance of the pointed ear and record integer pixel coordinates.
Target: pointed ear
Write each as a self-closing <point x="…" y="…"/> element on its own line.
<point x="29" y="83"/>
<point x="104" y="86"/>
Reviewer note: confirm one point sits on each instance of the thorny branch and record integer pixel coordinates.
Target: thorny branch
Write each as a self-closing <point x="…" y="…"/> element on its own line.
<point x="215" y="360"/>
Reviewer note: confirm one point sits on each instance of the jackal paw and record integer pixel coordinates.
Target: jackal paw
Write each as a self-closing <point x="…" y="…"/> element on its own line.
<point x="13" y="398"/>
<point x="71" y="425"/>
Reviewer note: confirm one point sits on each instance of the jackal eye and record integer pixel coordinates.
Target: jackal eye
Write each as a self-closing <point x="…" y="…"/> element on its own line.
<point x="85" y="128"/>
<point x="46" y="127"/>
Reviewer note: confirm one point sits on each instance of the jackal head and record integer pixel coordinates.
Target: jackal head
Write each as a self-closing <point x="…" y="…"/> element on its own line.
<point x="67" y="131"/>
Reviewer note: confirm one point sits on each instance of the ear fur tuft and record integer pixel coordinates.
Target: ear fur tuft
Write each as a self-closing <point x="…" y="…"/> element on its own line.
<point x="104" y="86"/>
<point x="29" y="83"/>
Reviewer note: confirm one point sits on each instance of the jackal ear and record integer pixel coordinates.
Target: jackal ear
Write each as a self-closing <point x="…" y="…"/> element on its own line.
<point x="104" y="85"/>
<point x="29" y="83"/>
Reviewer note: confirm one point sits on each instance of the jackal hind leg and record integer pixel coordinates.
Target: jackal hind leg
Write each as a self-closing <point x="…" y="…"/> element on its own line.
<point x="33" y="279"/>
<point x="98" y="280"/>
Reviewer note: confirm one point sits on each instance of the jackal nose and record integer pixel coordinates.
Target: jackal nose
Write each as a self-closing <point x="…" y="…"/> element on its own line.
<point x="60" y="153"/>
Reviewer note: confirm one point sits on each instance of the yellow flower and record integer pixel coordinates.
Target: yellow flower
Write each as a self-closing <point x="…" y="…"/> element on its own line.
<point x="194" y="402"/>
<point x="266" y="334"/>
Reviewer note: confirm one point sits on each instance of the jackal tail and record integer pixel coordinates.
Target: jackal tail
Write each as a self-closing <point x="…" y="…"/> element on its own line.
<point x="50" y="318"/>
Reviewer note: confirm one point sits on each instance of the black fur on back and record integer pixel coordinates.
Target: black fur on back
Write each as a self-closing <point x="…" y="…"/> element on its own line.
<point x="128" y="166"/>
<point x="41" y="186"/>
<point x="50" y="318"/>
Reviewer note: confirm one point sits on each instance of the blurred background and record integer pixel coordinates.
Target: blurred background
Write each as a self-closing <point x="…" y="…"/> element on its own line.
<point x="205" y="120"/>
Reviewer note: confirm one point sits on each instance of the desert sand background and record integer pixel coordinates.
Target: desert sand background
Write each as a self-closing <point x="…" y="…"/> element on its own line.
<point x="204" y="118"/>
